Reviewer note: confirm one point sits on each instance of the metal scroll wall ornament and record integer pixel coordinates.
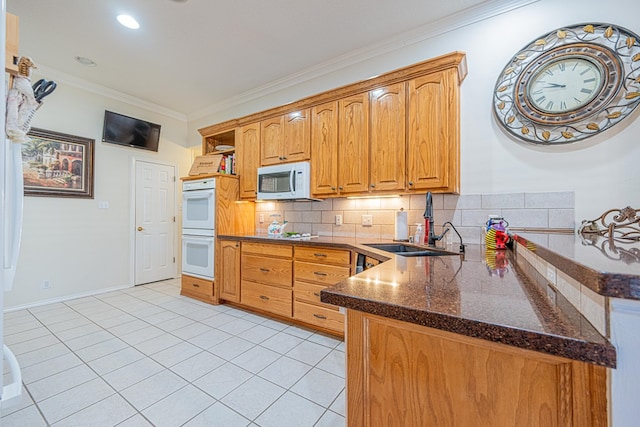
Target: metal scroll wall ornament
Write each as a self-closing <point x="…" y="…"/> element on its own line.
<point x="570" y="84"/>
<point x="612" y="232"/>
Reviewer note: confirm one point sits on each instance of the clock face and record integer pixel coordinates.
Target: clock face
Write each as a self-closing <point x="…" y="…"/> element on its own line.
<point x="564" y="85"/>
<point x="570" y="84"/>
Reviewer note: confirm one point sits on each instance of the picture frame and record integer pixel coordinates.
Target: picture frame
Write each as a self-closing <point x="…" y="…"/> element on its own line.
<point x="57" y="165"/>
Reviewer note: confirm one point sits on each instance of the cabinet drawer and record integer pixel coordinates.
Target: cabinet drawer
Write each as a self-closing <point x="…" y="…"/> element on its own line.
<point x="309" y="292"/>
<point x="268" y="298"/>
<point x="195" y="285"/>
<point x="320" y="273"/>
<point x="285" y="251"/>
<point x="319" y="316"/>
<point x="272" y="271"/>
<point x="324" y="255"/>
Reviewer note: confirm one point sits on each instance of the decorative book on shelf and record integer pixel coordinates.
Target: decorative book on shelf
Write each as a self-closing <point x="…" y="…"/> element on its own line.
<point x="228" y="164"/>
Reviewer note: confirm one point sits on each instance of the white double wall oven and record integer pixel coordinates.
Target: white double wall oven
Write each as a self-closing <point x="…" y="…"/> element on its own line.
<point x="198" y="227"/>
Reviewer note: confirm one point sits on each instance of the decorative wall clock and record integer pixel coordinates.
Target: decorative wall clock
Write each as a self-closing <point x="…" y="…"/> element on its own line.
<point x="570" y="84"/>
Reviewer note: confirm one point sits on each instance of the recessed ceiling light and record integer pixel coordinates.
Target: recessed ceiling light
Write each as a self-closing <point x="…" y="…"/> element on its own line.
<point x="85" y="61"/>
<point x="128" y="21"/>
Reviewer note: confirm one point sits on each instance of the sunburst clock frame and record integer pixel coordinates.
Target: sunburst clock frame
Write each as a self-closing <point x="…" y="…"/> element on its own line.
<point x="570" y="84"/>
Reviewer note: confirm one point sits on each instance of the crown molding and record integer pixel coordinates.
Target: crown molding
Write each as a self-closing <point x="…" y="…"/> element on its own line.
<point x="450" y="23"/>
<point x="60" y="77"/>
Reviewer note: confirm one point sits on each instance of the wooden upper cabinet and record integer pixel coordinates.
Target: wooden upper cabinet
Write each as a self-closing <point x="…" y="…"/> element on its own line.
<point x="286" y="139"/>
<point x="432" y="155"/>
<point x="248" y="160"/>
<point x="297" y="136"/>
<point x="271" y="141"/>
<point x="12" y="43"/>
<point x="324" y="145"/>
<point x="388" y="138"/>
<point x="353" y="144"/>
<point x="396" y="133"/>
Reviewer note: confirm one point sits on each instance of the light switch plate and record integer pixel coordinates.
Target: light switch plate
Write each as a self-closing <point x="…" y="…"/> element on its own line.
<point x="338" y="219"/>
<point x="367" y="220"/>
<point x="261" y="218"/>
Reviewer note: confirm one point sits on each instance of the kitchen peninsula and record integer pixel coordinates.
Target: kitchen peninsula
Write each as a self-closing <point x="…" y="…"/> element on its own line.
<point x="413" y="328"/>
<point x="462" y="340"/>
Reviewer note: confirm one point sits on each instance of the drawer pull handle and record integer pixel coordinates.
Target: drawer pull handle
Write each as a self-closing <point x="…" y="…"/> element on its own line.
<point x="195" y="285"/>
<point x="320" y="316"/>
<point x="319" y="273"/>
<point x="265" y="270"/>
<point x="320" y="255"/>
<point x="315" y="294"/>
<point x="369" y="264"/>
<point x="264" y="297"/>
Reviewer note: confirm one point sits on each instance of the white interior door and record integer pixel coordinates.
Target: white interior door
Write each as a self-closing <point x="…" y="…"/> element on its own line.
<point x="154" y="222"/>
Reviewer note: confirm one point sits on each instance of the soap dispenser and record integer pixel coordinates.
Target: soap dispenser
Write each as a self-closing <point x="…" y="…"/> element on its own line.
<point x="417" y="239"/>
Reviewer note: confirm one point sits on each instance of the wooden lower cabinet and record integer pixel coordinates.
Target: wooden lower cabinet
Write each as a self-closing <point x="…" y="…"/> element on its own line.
<point x="267" y="277"/>
<point x="195" y="287"/>
<point x="327" y="318"/>
<point x="401" y="374"/>
<point x="269" y="298"/>
<point x="228" y="270"/>
<point x="315" y="268"/>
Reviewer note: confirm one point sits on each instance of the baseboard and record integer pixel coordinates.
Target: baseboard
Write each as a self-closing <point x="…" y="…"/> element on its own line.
<point x="67" y="298"/>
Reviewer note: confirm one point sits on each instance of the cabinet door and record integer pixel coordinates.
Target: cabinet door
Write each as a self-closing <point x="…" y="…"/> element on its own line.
<point x="229" y="270"/>
<point x="297" y="136"/>
<point x="271" y="142"/>
<point x="388" y="138"/>
<point x="324" y="145"/>
<point x="12" y="43"/>
<point x="353" y="144"/>
<point x="432" y="140"/>
<point x="248" y="152"/>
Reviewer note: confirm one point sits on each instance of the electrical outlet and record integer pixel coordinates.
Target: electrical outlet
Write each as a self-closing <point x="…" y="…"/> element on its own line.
<point x="551" y="274"/>
<point x="261" y="218"/>
<point x="338" y="219"/>
<point x="367" y="220"/>
<point x="46" y="284"/>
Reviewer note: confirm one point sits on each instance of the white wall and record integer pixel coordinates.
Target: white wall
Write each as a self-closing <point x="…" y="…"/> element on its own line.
<point x="77" y="247"/>
<point x="603" y="171"/>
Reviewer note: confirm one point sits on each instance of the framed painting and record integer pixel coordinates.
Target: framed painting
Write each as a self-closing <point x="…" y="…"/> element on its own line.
<point x="57" y="165"/>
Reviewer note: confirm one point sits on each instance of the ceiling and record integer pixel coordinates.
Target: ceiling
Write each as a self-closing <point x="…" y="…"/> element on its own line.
<point x="189" y="55"/>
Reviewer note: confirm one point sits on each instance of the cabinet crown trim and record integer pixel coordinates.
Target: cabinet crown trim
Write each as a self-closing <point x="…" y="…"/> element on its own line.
<point x="455" y="60"/>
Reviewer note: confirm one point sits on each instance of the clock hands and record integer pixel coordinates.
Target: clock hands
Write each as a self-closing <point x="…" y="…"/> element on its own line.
<point x="553" y="85"/>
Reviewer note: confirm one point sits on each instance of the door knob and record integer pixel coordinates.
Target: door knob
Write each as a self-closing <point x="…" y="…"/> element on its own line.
<point x="140" y="228"/>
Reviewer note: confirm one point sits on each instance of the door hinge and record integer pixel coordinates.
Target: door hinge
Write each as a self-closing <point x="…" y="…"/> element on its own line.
<point x="174" y="219"/>
<point x="174" y="260"/>
<point x="174" y="178"/>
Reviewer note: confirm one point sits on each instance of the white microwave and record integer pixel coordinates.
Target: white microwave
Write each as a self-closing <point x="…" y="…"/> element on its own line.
<point x="288" y="181"/>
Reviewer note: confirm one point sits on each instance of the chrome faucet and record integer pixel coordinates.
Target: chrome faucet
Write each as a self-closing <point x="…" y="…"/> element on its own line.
<point x="430" y="236"/>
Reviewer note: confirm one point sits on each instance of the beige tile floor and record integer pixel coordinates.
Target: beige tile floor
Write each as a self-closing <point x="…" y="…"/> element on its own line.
<point x="147" y="356"/>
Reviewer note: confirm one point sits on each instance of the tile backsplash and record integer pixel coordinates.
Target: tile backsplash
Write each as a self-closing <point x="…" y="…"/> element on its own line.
<point x="468" y="212"/>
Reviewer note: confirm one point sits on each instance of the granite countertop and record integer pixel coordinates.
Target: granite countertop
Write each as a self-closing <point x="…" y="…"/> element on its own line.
<point x="482" y="294"/>
<point x="611" y="269"/>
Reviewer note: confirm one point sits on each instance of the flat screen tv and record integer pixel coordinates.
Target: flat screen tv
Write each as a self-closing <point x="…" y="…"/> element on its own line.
<point x="125" y="130"/>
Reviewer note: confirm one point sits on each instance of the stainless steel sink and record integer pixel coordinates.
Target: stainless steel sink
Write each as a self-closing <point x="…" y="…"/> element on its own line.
<point x="407" y="249"/>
